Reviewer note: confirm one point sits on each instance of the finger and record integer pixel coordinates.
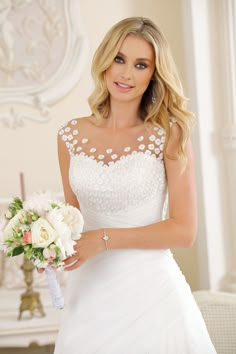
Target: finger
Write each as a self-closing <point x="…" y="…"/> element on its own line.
<point x="40" y="270"/>
<point x="70" y="259"/>
<point x="74" y="265"/>
<point x="76" y="248"/>
<point x="78" y="244"/>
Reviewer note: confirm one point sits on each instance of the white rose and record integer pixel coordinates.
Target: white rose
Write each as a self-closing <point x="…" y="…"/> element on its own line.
<point x="7" y="231"/>
<point x="38" y="202"/>
<point x="55" y="217"/>
<point x="42" y="233"/>
<point x="64" y="240"/>
<point x="73" y="218"/>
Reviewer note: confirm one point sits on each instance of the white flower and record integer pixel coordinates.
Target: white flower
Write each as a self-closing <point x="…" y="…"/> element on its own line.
<point x="55" y="217"/>
<point x="67" y="221"/>
<point x="39" y="203"/>
<point x="40" y="264"/>
<point x="68" y="224"/>
<point x="42" y="233"/>
<point x="7" y="231"/>
<point x="72" y="217"/>
<point x="66" y="246"/>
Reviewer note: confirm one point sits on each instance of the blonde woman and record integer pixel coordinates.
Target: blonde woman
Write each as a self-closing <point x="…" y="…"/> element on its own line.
<point x="126" y="294"/>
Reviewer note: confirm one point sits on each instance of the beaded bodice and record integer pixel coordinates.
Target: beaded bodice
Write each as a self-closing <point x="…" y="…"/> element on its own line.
<point x="121" y="181"/>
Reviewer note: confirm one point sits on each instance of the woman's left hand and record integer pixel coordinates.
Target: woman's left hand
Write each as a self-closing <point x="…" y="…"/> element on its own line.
<point x="90" y="244"/>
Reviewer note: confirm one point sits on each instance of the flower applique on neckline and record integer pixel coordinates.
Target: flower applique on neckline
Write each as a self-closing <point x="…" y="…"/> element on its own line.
<point x="150" y="143"/>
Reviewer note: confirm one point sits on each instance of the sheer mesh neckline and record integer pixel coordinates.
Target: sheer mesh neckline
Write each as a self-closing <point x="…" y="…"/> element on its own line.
<point x="149" y="142"/>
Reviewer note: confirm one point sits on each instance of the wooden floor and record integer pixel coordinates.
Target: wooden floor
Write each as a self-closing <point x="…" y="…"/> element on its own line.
<point x="32" y="349"/>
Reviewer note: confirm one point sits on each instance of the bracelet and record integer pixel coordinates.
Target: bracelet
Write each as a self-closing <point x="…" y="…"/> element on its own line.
<point x="105" y="238"/>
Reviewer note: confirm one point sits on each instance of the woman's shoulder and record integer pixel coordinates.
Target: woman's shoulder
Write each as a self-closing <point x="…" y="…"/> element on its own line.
<point x="78" y="122"/>
<point x="73" y="126"/>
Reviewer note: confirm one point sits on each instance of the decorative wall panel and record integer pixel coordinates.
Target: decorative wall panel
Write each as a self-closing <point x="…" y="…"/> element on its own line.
<point x="42" y="54"/>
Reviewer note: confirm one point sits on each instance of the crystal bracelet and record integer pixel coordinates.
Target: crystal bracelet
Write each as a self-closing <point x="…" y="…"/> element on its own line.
<point x="105" y="238"/>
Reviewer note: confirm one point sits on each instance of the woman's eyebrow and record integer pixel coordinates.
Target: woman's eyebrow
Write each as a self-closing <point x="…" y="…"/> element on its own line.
<point x="138" y="59"/>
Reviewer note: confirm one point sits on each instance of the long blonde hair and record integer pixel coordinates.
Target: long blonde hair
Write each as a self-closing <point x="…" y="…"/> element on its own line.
<point x="164" y="96"/>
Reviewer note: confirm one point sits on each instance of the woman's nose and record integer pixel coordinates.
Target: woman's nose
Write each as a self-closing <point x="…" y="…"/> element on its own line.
<point x="127" y="72"/>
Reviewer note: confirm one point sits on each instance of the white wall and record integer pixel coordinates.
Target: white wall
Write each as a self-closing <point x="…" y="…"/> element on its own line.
<point x="32" y="148"/>
<point x="210" y="33"/>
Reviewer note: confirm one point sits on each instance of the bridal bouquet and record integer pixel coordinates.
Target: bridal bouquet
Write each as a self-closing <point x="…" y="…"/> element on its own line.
<point x="44" y="230"/>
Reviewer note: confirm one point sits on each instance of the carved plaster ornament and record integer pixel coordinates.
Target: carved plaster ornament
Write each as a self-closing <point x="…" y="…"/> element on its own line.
<point x="42" y="54"/>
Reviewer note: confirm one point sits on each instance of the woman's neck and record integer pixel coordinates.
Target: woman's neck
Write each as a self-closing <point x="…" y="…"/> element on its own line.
<point x="123" y="115"/>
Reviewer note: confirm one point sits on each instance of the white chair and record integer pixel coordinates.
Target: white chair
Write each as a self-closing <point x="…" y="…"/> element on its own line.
<point x="219" y="312"/>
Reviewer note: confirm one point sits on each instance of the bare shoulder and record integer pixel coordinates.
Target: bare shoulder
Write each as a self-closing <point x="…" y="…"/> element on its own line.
<point x="74" y="124"/>
<point x="85" y="121"/>
<point x="82" y="122"/>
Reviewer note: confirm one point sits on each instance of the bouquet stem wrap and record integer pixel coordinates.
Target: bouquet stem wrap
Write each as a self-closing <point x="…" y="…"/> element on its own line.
<point x="54" y="288"/>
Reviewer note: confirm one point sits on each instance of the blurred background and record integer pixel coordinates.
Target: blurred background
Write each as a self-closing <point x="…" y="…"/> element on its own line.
<point x="46" y="48"/>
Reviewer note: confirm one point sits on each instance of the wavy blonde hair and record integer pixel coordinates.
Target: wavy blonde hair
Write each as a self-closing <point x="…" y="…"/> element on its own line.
<point x="165" y="85"/>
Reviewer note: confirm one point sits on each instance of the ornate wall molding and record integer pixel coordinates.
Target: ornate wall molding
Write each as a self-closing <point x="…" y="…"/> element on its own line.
<point x="43" y="51"/>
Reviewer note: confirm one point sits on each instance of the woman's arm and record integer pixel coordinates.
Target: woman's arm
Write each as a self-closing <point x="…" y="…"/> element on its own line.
<point x="64" y="163"/>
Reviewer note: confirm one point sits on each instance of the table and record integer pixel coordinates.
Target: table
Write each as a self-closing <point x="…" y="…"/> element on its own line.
<point x="22" y="333"/>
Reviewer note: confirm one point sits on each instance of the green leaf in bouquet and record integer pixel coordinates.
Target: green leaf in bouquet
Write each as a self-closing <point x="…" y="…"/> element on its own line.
<point x="17" y="233"/>
<point x="58" y="251"/>
<point x="13" y="208"/>
<point x="18" y="250"/>
<point x="13" y="243"/>
<point x="9" y="253"/>
<point x="32" y="216"/>
<point x="54" y="205"/>
<point x="28" y="251"/>
<point x="37" y="253"/>
<point x="57" y="204"/>
<point x="18" y="203"/>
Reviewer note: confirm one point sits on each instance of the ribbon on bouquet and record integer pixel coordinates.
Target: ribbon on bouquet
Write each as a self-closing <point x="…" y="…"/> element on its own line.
<point x="54" y="288"/>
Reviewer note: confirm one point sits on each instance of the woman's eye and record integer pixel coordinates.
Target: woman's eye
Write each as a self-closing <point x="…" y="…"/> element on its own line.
<point x="141" y="66"/>
<point x="119" y="60"/>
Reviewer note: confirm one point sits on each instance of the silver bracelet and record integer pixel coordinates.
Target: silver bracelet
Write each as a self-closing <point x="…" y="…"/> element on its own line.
<point x="105" y="238"/>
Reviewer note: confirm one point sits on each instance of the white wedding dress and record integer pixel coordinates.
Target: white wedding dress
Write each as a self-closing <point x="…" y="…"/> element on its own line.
<point x="126" y="301"/>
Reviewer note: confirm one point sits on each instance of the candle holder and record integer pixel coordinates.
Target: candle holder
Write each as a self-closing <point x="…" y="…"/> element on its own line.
<point x="30" y="300"/>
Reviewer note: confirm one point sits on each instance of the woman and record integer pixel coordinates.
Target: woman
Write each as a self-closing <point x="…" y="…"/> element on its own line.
<point x="126" y="294"/>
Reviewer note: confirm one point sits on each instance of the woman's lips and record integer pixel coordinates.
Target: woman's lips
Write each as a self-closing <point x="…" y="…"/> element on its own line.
<point x="123" y="87"/>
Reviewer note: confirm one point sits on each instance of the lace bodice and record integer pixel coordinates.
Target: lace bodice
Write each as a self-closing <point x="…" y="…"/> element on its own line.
<point x="120" y="180"/>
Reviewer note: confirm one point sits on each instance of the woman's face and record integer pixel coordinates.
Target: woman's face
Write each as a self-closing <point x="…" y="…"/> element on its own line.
<point x="129" y="75"/>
